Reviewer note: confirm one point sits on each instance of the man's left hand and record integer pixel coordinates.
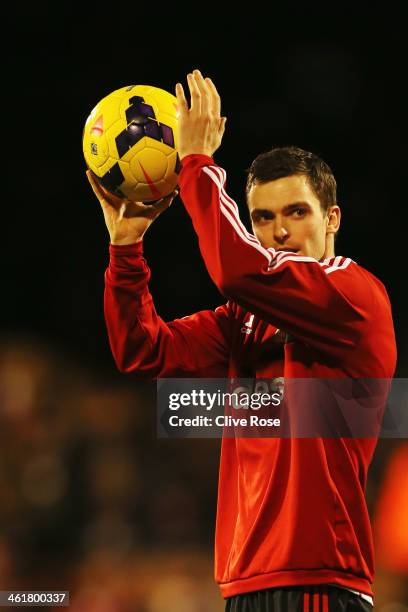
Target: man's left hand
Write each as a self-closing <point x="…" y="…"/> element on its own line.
<point x="200" y="128"/>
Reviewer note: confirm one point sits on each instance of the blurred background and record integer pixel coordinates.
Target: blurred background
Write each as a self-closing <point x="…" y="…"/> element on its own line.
<point x="90" y="500"/>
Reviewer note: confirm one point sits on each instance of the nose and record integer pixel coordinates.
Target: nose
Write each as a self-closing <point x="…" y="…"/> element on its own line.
<point x="280" y="233"/>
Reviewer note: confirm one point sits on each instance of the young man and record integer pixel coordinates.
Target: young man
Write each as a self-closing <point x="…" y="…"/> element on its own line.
<point x="293" y="531"/>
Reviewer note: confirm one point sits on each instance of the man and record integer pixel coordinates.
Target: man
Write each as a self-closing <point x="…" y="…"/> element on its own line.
<point x="293" y="530"/>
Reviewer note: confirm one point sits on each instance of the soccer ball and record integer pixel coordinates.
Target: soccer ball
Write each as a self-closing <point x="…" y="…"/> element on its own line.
<point x="130" y="143"/>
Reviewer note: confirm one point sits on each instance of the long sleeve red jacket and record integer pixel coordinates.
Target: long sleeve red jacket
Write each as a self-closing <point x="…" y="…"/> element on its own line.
<point x="291" y="511"/>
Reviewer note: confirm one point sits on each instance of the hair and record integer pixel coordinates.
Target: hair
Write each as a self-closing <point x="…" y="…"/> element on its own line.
<point x="280" y="162"/>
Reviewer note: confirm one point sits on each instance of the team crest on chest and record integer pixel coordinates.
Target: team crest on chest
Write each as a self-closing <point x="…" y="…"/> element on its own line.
<point x="247" y="327"/>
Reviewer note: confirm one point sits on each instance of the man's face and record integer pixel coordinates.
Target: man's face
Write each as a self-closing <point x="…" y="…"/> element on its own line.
<point x="286" y="215"/>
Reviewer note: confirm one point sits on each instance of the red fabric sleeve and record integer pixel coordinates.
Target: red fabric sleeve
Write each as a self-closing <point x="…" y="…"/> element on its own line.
<point x="142" y="343"/>
<point x="328" y="305"/>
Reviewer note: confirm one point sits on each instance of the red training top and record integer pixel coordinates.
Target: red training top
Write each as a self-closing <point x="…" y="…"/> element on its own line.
<point x="291" y="511"/>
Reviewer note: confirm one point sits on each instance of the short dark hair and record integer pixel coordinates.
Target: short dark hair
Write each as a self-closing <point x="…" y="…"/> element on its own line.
<point x="279" y="162"/>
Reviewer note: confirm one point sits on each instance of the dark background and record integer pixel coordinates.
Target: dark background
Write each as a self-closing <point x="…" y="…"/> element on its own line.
<point x="90" y="500"/>
<point x="329" y="80"/>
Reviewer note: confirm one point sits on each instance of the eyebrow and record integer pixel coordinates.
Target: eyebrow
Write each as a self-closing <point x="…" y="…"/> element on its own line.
<point x="286" y="209"/>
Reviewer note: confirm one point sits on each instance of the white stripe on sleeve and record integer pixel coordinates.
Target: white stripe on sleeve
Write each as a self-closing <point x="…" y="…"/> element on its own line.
<point x="275" y="258"/>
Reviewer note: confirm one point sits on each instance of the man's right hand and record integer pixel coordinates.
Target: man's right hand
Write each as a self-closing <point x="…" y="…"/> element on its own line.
<point x="127" y="221"/>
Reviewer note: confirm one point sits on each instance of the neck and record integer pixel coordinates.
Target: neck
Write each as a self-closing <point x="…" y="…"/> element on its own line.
<point x="329" y="247"/>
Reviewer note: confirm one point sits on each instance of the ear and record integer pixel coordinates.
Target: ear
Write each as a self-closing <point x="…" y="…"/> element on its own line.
<point x="333" y="219"/>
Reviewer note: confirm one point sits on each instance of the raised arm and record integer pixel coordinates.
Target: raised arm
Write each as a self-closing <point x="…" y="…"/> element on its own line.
<point x="328" y="304"/>
<point x="141" y="342"/>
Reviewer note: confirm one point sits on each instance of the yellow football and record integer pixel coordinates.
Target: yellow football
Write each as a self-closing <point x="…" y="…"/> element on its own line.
<point x="130" y="142"/>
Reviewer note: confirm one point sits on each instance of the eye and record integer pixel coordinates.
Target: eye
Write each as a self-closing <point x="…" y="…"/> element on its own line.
<point x="259" y="218"/>
<point x="299" y="212"/>
<point x="262" y="217"/>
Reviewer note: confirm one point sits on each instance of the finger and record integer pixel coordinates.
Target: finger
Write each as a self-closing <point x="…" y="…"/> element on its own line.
<point x="216" y="100"/>
<point x="111" y="198"/>
<point x="104" y="196"/>
<point x="206" y="102"/>
<point x="182" y="105"/>
<point x="221" y="128"/>
<point x="151" y="211"/>
<point x="166" y="201"/>
<point x="92" y="181"/>
<point x="194" y="94"/>
<point x="96" y="187"/>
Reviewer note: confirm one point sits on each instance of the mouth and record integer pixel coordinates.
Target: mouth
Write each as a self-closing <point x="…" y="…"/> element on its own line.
<point x="288" y="250"/>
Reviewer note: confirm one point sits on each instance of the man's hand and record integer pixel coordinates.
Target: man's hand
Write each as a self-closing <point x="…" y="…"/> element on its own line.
<point x="127" y="221"/>
<point x="200" y="128"/>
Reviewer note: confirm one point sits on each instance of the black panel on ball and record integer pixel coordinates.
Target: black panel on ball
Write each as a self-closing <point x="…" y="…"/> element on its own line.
<point x="112" y="180"/>
<point x="128" y="137"/>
